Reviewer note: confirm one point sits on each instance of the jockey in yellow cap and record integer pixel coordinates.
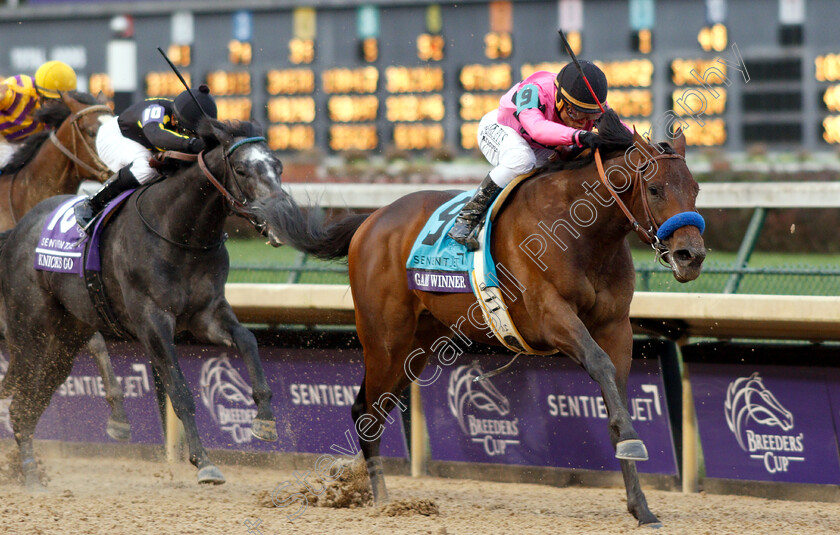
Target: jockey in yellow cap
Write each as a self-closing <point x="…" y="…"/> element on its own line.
<point x="21" y="96"/>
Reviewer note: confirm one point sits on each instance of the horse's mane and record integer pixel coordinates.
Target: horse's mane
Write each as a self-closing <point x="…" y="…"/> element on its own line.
<point x="614" y="138"/>
<point x="52" y="114"/>
<point x="207" y="130"/>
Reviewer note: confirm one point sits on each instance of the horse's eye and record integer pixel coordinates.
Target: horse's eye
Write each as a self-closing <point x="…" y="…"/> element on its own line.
<point x="239" y="170"/>
<point x="653" y="190"/>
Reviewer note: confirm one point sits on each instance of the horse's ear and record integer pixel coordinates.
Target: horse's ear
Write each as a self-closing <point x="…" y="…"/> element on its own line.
<point x="679" y="142"/>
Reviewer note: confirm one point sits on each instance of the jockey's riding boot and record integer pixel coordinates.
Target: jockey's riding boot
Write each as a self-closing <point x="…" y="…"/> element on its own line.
<point x="87" y="210"/>
<point x="471" y="213"/>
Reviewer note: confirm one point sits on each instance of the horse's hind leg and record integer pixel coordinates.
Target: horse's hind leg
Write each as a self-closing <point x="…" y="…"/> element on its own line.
<point x="386" y="352"/>
<point x="222" y="328"/>
<point x="618" y="343"/>
<point x="48" y="362"/>
<point x="118" y="427"/>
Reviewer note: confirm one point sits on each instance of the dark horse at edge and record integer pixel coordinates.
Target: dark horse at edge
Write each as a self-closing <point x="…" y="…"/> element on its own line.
<point x="164" y="268"/>
<point x="574" y="299"/>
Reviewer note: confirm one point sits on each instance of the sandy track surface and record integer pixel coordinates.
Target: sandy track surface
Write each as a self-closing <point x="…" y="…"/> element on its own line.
<point x="122" y="496"/>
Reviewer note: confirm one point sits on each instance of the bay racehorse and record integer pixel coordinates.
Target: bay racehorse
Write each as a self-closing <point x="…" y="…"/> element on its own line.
<point x="164" y="268"/>
<point x="572" y="291"/>
<point x="56" y="162"/>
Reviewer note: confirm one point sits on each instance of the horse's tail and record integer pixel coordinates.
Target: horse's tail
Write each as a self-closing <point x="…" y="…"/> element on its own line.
<point x="306" y="231"/>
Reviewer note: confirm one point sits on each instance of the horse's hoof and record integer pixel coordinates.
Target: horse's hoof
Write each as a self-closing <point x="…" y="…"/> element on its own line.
<point x="631" y="450"/>
<point x="264" y="430"/>
<point x="652" y="525"/>
<point x="210" y="475"/>
<point x="118" y="430"/>
<point x="32" y="482"/>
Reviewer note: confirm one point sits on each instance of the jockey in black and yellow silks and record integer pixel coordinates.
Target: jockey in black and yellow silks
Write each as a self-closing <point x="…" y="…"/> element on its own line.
<point x="126" y="143"/>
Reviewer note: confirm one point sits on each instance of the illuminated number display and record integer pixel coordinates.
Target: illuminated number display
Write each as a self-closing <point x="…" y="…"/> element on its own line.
<point x="405" y="108"/>
<point x="362" y="80"/>
<point x="713" y="132"/>
<point x="369" y="49"/>
<point x="347" y="108"/>
<point x="475" y="106"/>
<point x="828" y="68"/>
<point x="100" y="83"/>
<point x="291" y="137"/>
<point x="469" y="135"/>
<point x="413" y="79"/>
<point x="631" y="102"/>
<point x="301" y="51"/>
<point x="430" y="47"/>
<point x="681" y="71"/>
<point x="290" y="81"/>
<point x="179" y="54"/>
<point x="291" y="110"/>
<point x="831" y="97"/>
<point x="418" y="136"/>
<point x="632" y="73"/>
<point x="697" y="102"/>
<point x="353" y="137"/>
<point x="713" y="38"/>
<point x="238" y="109"/>
<point x="225" y="83"/>
<point x="486" y="77"/>
<point x="291" y="104"/>
<point x="165" y="84"/>
<point x="498" y="45"/>
<point x="239" y="53"/>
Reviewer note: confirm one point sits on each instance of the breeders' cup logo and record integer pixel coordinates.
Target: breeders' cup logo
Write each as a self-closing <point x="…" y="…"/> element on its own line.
<point x="748" y="401"/>
<point x="5" y="422"/>
<point x="227" y="396"/>
<point x="464" y="394"/>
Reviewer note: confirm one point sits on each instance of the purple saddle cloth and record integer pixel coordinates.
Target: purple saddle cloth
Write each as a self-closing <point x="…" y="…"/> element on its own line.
<point x="61" y="246"/>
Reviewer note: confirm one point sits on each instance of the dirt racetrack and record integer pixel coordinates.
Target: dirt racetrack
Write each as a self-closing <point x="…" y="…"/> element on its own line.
<point x="122" y="496"/>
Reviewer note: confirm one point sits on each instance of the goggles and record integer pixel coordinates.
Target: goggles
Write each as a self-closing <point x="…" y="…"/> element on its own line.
<point x="577" y="115"/>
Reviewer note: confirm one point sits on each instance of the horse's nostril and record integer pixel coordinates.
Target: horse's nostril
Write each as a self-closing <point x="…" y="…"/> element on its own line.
<point x="683" y="256"/>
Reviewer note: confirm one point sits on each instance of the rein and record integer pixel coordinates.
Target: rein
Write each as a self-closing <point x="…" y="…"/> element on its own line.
<point x="236" y="206"/>
<point x="102" y="172"/>
<point x="654" y="235"/>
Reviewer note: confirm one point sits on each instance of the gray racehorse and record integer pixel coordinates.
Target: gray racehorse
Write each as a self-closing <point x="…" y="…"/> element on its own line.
<point x="164" y="268"/>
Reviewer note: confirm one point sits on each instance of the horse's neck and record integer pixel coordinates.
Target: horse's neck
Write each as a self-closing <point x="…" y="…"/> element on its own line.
<point x="577" y="206"/>
<point x="46" y="175"/>
<point x="186" y="207"/>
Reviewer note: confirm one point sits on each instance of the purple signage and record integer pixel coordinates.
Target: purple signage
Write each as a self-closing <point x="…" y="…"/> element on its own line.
<point x="78" y="411"/>
<point x="765" y="423"/>
<point x="541" y="412"/>
<point x="313" y="392"/>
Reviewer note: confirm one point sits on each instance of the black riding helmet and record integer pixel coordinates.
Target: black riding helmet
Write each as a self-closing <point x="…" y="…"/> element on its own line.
<point x="571" y="87"/>
<point x="188" y="113"/>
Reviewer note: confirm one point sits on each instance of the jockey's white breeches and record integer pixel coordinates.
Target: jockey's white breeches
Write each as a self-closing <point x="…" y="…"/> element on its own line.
<point x="506" y="150"/>
<point x="118" y="151"/>
<point x="7" y="151"/>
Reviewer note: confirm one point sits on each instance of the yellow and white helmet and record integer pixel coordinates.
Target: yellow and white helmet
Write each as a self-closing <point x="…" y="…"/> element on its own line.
<point x="55" y="76"/>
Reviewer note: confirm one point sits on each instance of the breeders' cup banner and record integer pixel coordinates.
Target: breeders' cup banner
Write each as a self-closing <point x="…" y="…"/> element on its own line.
<point x="79" y="412"/>
<point x="313" y="391"/>
<point x="768" y="423"/>
<point x="542" y="411"/>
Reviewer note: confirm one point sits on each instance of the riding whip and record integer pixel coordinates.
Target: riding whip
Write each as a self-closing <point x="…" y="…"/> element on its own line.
<point x="574" y="59"/>
<point x="178" y="74"/>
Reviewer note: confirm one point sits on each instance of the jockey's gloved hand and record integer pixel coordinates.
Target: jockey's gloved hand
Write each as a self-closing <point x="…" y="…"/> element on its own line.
<point x="588" y="139"/>
<point x="195" y="145"/>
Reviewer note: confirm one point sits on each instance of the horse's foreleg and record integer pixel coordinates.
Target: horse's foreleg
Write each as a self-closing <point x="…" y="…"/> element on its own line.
<point x="156" y="333"/>
<point x="222" y="328"/>
<point x="118" y="427"/>
<point x="617" y="342"/>
<point x="568" y="334"/>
